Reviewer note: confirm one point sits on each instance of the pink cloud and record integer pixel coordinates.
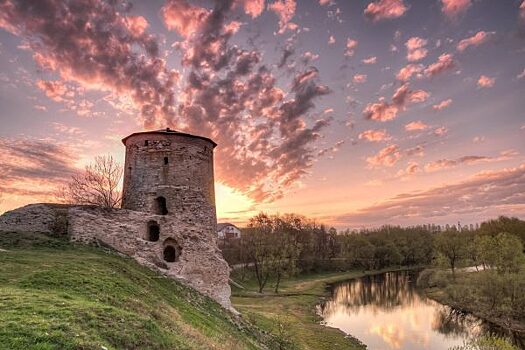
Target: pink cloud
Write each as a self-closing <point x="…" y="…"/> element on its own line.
<point x="486" y="82"/>
<point x="442" y="105"/>
<point x="444" y="63"/>
<point x="331" y="40"/>
<point x="254" y="8"/>
<point x="359" y="78"/>
<point x="351" y="45"/>
<point x="370" y="60"/>
<point x="411" y="169"/>
<point x="374" y="135"/>
<point x="416" y="49"/>
<point x="409" y="70"/>
<point x="417" y="125"/>
<point x="475" y="40"/>
<point x="137" y="24"/>
<point x="441" y="131"/>
<point x="521" y="75"/>
<point x="385" y="111"/>
<point x="522" y="12"/>
<point x="454" y="8"/>
<point x="385" y="9"/>
<point x="183" y="17"/>
<point x="387" y="157"/>
<point x="285" y="10"/>
<point x="449" y="163"/>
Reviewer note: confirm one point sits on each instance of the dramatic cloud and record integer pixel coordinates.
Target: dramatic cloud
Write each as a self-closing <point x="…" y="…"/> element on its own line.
<point x="266" y="143"/>
<point x="475" y="40"/>
<point x="370" y="60"/>
<point x="482" y="196"/>
<point x="486" y="82"/>
<point x="454" y="8"/>
<point x="385" y="9"/>
<point x="387" y="157"/>
<point x="384" y="111"/>
<point x="285" y="10"/>
<point x="374" y="135"/>
<point x="183" y="17"/>
<point x="442" y="105"/>
<point x="34" y="168"/>
<point x="409" y="70"/>
<point x="416" y="49"/>
<point x="351" y="45"/>
<point x="94" y="44"/>
<point x="417" y="125"/>
<point x="444" y="63"/>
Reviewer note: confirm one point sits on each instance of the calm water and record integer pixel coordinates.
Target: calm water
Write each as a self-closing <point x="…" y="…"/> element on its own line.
<point x="386" y="311"/>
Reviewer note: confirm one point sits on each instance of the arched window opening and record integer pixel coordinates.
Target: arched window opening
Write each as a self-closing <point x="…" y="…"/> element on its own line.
<point x="153" y="231"/>
<point x="160" y="206"/>
<point x="170" y="254"/>
<point x="165" y="160"/>
<point x="172" y="250"/>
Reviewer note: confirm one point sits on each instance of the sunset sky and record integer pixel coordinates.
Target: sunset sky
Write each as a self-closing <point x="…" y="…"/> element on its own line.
<point x="357" y="113"/>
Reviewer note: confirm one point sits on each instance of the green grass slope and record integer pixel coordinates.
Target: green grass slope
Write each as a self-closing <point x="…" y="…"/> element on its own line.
<point x="55" y="295"/>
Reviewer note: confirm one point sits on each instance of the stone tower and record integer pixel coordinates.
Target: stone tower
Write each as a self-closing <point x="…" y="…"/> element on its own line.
<point x="170" y="173"/>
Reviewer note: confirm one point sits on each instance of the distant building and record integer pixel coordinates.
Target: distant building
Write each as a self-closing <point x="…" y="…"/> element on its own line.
<point x="227" y="230"/>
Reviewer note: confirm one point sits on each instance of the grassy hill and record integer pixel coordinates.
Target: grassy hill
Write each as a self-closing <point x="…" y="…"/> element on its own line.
<point x="56" y="295"/>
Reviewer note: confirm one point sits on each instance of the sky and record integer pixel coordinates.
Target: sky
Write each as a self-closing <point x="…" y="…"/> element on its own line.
<point x="356" y="113"/>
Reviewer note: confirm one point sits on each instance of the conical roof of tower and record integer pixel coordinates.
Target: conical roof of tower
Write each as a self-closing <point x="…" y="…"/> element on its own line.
<point x="168" y="131"/>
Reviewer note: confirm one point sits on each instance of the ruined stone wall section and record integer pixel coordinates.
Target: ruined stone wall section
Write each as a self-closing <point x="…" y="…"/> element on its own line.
<point x="199" y="264"/>
<point x="32" y="218"/>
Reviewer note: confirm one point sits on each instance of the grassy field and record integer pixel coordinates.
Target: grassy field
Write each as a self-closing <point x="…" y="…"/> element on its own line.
<point x="54" y="295"/>
<point x="294" y="310"/>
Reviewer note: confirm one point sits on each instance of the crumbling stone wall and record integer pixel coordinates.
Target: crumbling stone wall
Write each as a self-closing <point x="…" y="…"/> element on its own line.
<point x="199" y="263"/>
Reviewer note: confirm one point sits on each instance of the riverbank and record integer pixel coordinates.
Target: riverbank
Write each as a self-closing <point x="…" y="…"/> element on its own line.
<point x="461" y="294"/>
<point x="291" y="314"/>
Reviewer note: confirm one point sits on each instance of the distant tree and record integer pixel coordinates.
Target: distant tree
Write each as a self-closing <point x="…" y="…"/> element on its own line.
<point x="503" y="252"/>
<point x="452" y="246"/>
<point x="513" y="226"/>
<point x="97" y="185"/>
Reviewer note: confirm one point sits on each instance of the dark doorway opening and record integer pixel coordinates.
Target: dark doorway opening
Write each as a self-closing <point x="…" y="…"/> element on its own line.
<point x="153" y="231"/>
<point x="170" y="254"/>
<point x="160" y="206"/>
<point x="166" y="160"/>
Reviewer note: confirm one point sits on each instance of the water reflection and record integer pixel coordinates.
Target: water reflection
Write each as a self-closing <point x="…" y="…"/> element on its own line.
<point x="386" y="311"/>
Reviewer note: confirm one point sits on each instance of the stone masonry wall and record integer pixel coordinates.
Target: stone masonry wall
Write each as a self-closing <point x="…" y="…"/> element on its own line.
<point x="199" y="265"/>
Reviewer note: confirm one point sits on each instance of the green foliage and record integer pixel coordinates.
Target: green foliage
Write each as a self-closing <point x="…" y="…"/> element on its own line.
<point x="486" y="343"/>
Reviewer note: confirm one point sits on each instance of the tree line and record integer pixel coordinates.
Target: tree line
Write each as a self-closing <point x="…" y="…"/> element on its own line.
<point x="273" y="247"/>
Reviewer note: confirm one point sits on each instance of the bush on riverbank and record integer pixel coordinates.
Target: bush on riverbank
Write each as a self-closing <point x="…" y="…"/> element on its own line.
<point x="487" y="343"/>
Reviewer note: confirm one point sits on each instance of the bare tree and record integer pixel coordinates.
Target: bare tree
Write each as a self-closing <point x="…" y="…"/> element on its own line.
<point x="97" y="185"/>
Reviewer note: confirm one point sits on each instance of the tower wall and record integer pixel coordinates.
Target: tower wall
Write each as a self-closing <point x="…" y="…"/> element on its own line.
<point x="175" y="167"/>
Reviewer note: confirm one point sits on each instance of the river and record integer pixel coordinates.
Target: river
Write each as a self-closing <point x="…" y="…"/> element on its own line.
<point x="387" y="311"/>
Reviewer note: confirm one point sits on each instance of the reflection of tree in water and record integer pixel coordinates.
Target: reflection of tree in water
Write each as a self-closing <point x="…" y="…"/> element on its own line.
<point x="452" y="322"/>
<point x="384" y="292"/>
<point x="449" y="321"/>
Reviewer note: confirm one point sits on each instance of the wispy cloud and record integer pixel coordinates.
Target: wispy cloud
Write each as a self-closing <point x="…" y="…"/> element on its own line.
<point x="482" y="196"/>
